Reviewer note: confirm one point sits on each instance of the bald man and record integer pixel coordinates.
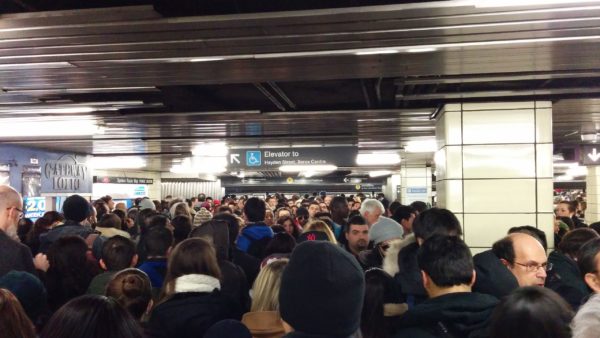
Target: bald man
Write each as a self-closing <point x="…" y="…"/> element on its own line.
<point x="516" y="260"/>
<point x="529" y="262"/>
<point x="14" y="255"/>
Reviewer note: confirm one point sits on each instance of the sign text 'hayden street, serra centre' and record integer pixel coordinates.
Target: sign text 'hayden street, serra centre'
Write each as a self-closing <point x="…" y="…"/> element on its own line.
<point x="273" y="158"/>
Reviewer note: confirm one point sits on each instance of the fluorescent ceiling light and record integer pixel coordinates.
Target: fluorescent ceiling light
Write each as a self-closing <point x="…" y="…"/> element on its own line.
<point x="564" y="178"/>
<point x="378" y="159"/>
<point x="48" y="127"/>
<point x="421" y="50"/>
<point x="182" y="169"/>
<point x="376" y="52"/>
<point x="201" y="165"/>
<point x="35" y="65"/>
<point x="206" y="59"/>
<point x="378" y="173"/>
<point x="589" y="137"/>
<point x="117" y="162"/>
<point x="64" y="110"/>
<point x="520" y="3"/>
<point x="576" y="171"/>
<point x="306" y="168"/>
<point x="425" y="146"/>
<point x="211" y="149"/>
<point x="566" y="164"/>
<point x="308" y="174"/>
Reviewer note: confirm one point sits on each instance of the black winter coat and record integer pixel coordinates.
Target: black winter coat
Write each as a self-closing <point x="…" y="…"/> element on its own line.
<point x="234" y="284"/>
<point x="565" y="279"/>
<point x="409" y="278"/>
<point x="454" y="315"/>
<point x="190" y="314"/>
<point x="248" y="263"/>
<point x="493" y="278"/>
<point x="14" y="256"/>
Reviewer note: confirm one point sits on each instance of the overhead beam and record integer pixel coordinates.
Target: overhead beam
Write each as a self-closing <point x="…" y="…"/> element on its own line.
<point x="500" y="93"/>
<point x="270" y="96"/>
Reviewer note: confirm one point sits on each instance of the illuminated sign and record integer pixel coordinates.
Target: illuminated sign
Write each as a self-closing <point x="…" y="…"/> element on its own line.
<point x="35" y="207"/>
<point x="273" y="158"/>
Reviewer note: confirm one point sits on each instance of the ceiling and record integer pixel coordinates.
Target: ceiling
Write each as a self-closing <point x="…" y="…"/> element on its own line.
<point x="160" y="76"/>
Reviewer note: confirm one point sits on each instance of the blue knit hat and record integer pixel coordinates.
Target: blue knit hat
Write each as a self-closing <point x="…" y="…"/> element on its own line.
<point x="28" y="289"/>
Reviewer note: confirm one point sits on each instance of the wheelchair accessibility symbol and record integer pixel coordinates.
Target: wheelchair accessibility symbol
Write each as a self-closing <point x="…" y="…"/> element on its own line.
<point x="253" y="158"/>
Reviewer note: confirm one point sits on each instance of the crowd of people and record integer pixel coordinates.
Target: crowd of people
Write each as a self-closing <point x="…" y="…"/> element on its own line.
<point x="302" y="266"/>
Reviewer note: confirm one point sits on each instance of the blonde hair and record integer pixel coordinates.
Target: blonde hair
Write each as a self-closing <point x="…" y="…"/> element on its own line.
<point x="180" y="209"/>
<point x="265" y="291"/>
<point x="318" y="225"/>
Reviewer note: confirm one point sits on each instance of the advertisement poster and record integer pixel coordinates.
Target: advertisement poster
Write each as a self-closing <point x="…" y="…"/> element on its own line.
<point x="35" y="207"/>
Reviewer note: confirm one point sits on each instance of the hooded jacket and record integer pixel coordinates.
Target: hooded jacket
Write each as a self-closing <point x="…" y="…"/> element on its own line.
<point x="254" y="239"/>
<point x="401" y="263"/>
<point x="233" y="279"/>
<point x="390" y="262"/>
<point x="71" y="228"/>
<point x="462" y="314"/>
<point x="565" y="279"/>
<point x="493" y="278"/>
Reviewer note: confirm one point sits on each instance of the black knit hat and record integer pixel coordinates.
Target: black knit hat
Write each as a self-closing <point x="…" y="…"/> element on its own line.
<point x="322" y="290"/>
<point x="76" y="208"/>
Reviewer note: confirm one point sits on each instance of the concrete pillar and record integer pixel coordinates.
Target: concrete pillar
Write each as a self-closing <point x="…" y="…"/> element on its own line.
<point x="592" y="184"/>
<point x="416" y="184"/>
<point x="391" y="187"/>
<point x="494" y="168"/>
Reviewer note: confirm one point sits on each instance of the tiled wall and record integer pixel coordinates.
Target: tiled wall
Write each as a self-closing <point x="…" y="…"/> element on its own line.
<point x="592" y="213"/>
<point x="413" y="177"/>
<point x="494" y="167"/>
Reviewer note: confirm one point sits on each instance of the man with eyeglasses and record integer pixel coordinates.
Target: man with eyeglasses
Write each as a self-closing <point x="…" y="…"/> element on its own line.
<point x="516" y="260"/>
<point x="527" y="260"/>
<point x="14" y="255"/>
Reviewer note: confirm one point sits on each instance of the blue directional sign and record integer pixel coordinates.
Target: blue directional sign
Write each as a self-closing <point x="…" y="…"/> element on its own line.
<point x="253" y="158"/>
<point x="273" y="158"/>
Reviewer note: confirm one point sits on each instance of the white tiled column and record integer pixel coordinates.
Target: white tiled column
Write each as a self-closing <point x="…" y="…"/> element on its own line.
<point x="592" y="213"/>
<point x="413" y="180"/>
<point x="494" y="168"/>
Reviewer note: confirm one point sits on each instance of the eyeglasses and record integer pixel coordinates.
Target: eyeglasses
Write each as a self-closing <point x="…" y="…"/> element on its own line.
<point x="21" y="214"/>
<point x="532" y="267"/>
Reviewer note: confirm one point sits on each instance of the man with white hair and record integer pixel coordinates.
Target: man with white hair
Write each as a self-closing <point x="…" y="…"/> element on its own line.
<point x="14" y="255"/>
<point x="371" y="210"/>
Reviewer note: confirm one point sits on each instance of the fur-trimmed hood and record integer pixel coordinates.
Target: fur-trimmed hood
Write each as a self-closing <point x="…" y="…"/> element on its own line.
<point x="390" y="262"/>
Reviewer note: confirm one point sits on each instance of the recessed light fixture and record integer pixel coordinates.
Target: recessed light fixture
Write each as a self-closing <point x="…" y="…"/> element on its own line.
<point x="117" y="162"/>
<point x="18" y="127"/>
<point x="206" y="59"/>
<point x="514" y="3"/>
<point x="377" y="159"/>
<point x="563" y="178"/>
<point x="379" y="173"/>
<point x="306" y="168"/>
<point x="376" y="52"/>
<point x="421" y="146"/>
<point x="213" y="149"/>
<point x="421" y="50"/>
